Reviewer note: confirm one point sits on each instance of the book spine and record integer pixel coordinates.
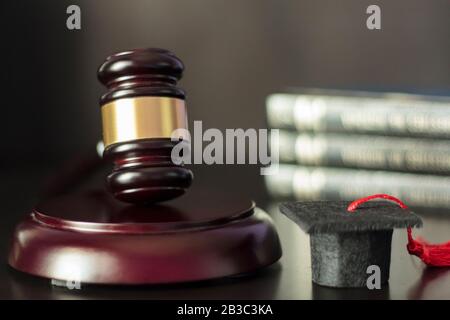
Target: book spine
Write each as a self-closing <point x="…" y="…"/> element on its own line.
<point x="406" y="115"/>
<point x="366" y="152"/>
<point x="315" y="183"/>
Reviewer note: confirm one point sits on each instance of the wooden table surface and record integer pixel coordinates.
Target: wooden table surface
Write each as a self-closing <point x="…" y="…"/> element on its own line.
<point x="290" y="278"/>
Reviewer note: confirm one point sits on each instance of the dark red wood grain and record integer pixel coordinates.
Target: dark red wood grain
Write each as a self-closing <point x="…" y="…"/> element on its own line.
<point x="141" y="72"/>
<point x="201" y="236"/>
<point x="143" y="170"/>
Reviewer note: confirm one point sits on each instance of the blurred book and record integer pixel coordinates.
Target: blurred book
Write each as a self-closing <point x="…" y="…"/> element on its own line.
<point x="322" y="110"/>
<point x="321" y="183"/>
<point x="344" y="145"/>
<point x="365" y="151"/>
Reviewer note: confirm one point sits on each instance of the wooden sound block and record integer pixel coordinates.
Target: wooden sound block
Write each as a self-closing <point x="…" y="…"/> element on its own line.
<point x="93" y="238"/>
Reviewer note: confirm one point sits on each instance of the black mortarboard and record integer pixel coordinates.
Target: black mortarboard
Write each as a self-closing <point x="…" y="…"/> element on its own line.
<point x="343" y="243"/>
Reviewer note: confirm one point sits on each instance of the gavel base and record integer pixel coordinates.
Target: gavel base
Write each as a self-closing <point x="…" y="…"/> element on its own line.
<point x="93" y="238"/>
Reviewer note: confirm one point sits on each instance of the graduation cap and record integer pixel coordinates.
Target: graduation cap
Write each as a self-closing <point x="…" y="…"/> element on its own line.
<point x="346" y="239"/>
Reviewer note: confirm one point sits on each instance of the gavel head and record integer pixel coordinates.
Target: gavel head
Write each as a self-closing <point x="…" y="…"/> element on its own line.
<point x="140" y="110"/>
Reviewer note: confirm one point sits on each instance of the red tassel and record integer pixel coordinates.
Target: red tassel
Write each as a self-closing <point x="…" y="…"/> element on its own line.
<point x="436" y="255"/>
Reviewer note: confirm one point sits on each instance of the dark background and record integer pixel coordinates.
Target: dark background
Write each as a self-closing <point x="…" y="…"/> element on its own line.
<point x="236" y="52"/>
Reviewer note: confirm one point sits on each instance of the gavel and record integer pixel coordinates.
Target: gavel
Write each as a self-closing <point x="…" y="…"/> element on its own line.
<point x="141" y="109"/>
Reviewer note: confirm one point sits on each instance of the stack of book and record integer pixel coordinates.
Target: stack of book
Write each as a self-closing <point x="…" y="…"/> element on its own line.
<point x="347" y="145"/>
